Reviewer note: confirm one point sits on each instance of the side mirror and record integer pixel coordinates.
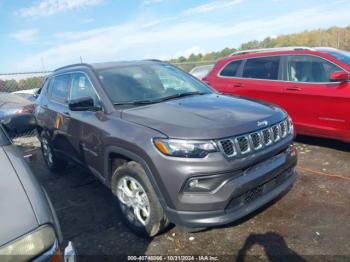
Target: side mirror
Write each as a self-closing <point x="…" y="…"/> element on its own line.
<point x="339" y="76"/>
<point x="37" y="93"/>
<point x="82" y="104"/>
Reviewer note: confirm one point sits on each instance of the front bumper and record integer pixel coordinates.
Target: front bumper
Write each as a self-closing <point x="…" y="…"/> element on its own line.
<point x="215" y="218"/>
<point x="241" y="195"/>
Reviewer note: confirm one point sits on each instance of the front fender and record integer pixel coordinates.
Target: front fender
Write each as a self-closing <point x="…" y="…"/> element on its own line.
<point x="147" y="166"/>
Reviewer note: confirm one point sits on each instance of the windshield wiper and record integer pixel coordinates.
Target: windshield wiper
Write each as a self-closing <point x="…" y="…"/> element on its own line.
<point x="145" y="102"/>
<point x="182" y="95"/>
<point x="141" y="102"/>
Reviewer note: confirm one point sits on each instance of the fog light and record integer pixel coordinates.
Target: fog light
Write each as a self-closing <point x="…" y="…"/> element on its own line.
<point x="209" y="183"/>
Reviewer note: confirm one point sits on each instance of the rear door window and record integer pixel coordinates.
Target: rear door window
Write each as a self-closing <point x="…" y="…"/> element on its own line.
<point x="312" y="69"/>
<point x="59" y="88"/>
<point x="231" y="69"/>
<point x="262" y="68"/>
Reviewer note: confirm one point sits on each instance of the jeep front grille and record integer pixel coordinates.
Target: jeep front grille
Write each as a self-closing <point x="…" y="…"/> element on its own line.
<point x="267" y="136"/>
<point x="276" y="133"/>
<point x="227" y="148"/>
<point x="283" y="128"/>
<point x="254" y="141"/>
<point x="243" y="144"/>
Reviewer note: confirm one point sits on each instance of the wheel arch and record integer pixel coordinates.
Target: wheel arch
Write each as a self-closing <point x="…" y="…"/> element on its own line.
<point x="113" y="152"/>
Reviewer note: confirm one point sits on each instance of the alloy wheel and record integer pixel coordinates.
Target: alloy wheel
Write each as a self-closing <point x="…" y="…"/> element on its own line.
<point x="134" y="200"/>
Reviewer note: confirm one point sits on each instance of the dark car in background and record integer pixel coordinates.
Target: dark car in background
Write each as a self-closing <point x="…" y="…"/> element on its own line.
<point x="16" y="113"/>
<point x="168" y="146"/>
<point x="29" y="229"/>
<point x="311" y="84"/>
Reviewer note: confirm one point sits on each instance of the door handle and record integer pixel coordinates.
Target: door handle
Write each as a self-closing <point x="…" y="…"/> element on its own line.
<point x="66" y="113"/>
<point x="237" y="85"/>
<point x="293" y="88"/>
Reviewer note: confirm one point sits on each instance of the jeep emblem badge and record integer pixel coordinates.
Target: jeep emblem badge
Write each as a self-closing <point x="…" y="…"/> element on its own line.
<point x="262" y="123"/>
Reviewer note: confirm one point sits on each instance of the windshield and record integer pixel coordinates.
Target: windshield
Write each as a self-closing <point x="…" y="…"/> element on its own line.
<point x="342" y="56"/>
<point x="148" y="83"/>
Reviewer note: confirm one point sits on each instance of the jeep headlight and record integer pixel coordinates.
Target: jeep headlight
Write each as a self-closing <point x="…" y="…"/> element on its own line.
<point x="185" y="148"/>
<point x="30" y="245"/>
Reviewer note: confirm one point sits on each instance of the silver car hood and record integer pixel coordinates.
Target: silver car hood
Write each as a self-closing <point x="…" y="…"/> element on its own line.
<point x="17" y="215"/>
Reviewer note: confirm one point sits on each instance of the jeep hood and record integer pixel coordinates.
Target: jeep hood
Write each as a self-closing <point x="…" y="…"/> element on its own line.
<point x="204" y="116"/>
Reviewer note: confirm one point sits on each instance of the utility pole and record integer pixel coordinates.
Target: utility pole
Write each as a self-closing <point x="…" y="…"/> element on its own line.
<point x="338" y="39"/>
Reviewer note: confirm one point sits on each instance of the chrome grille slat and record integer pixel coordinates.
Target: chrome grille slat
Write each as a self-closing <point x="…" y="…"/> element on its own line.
<point x="267" y="136"/>
<point x="244" y="144"/>
<point x="256" y="140"/>
<point x="276" y="132"/>
<point x="228" y="147"/>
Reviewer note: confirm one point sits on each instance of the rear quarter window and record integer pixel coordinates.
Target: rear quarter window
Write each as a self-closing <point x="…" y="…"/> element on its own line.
<point x="231" y="69"/>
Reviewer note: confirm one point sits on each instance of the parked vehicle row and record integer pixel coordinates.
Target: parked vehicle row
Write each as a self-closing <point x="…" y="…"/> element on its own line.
<point x="170" y="148"/>
<point x="173" y="150"/>
<point x="311" y="84"/>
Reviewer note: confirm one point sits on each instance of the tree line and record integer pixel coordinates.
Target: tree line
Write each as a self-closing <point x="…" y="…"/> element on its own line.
<point x="12" y="85"/>
<point x="338" y="37"/>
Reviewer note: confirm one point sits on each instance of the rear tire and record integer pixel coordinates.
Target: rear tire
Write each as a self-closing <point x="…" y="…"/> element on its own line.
<point x="54" y="163"/>
<point x="138" y="202"/>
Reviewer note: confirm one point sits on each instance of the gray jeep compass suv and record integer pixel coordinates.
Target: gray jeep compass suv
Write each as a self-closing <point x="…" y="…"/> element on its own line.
<point x="169" y="147"/>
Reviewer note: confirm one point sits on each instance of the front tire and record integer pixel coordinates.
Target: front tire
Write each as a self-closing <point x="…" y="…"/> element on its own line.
<point x="139" y="205"/>
<point x="54" y="163"/>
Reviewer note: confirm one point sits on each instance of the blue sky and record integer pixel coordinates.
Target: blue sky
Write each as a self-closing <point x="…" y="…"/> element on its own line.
<point x="45" y="34"/>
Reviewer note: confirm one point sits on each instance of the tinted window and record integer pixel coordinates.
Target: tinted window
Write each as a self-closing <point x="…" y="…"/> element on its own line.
<point x="303" y="68"/>
<point x="59" y="88"/>
<point x="262" y="68"/>
<point x="231" y="69"/>
<point x="81" y="87"/>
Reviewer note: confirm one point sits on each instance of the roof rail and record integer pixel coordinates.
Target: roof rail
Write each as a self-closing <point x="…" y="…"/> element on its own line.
<point x="72" y="65"/>
<point x="288" y="48"/>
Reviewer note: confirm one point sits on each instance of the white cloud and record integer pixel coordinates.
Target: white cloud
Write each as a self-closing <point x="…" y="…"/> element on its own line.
<point x="151" y="2"/>
<point x="50" y="7"/>
<point x="154" y="39"/>
<point x="27" y="35"/>
<point x="189" y="51"/>
<point x="212" y="6"/>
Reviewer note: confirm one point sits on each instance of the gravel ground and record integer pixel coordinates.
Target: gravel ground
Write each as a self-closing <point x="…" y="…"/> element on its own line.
<point x="310" y="223"/>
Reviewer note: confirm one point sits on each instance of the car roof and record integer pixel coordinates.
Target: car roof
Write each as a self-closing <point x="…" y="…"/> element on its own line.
<point x="251" y="53"/>
<point x="106" y="65"/>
